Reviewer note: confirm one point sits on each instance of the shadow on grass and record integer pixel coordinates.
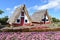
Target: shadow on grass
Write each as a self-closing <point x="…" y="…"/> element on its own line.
<point x="2" y="26"/>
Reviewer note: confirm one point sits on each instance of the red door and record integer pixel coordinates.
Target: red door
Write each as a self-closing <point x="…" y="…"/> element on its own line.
<point x="22" y="18"/>
<point x="22" y="21"/>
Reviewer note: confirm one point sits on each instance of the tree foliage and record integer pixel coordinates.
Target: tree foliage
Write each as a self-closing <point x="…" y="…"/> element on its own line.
<point x="1" y="11"/>
<point x="3" y="20"/>
<point x="55" y="20"/>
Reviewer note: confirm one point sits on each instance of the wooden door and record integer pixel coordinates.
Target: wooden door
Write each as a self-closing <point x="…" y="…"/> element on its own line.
<point x="22" y="21"/>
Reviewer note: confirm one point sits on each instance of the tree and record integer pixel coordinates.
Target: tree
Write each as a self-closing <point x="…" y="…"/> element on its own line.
<point x="1" y="11"/>
<point x="3" y="20"/>
<point x="55" y="20"/>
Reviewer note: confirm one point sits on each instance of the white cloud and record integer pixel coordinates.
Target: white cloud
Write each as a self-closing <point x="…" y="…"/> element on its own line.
<point x="33" y="8"/>
<point x="8" y="9"/>
<point x="51" y="4"/>
<point x="16" y="6"/>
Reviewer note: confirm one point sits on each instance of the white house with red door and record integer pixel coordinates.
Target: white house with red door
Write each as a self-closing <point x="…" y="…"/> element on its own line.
<point x="20" y="17"/>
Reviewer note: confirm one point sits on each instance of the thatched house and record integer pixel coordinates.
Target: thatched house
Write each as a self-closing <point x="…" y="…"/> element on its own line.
<point x="21" y="17"/>
<point x="41" y="17"/>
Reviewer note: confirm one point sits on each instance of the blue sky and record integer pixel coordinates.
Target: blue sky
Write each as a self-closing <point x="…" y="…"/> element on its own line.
<point x="53" y="6"/>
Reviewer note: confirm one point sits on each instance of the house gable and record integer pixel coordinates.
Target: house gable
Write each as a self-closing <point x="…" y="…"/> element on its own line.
<point x="40" y="16"/>
<point x="20" y="16"/>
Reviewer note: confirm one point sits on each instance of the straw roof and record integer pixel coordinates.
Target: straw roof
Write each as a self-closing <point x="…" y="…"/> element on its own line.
<point x="17" y="13"/>
<point x="37" y="16"/>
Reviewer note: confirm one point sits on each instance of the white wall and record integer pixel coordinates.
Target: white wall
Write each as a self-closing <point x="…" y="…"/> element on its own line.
<point x="25" y="18"/>
<point x="46" y="17"/>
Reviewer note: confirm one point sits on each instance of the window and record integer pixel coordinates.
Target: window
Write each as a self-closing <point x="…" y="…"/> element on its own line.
<point x="25" y="20"/>
<point x="44" y="19"/>
<point x="18" y="20"/>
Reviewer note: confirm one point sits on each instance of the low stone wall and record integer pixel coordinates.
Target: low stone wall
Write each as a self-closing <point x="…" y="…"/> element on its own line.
<point x="34" y="29"/>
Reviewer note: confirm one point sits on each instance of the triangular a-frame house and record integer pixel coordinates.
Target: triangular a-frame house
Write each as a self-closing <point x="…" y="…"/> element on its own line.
<point x="20" y="17"/>
<point x="41" y="17"/>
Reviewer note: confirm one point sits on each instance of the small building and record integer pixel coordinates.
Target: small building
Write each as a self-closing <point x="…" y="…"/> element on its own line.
<point x="20" y="17"/>
<point x="41" y="17"/>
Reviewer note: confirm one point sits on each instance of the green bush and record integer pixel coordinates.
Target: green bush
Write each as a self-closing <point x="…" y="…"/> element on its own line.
<point x="3" y="21"/>
<point x="55" y="20"/>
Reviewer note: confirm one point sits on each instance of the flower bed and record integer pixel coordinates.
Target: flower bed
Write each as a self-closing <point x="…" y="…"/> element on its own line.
<point x="30" y="35"/>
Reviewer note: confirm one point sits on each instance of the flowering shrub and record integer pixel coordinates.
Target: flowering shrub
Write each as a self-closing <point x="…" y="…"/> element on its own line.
<point x="29" y="35"/>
